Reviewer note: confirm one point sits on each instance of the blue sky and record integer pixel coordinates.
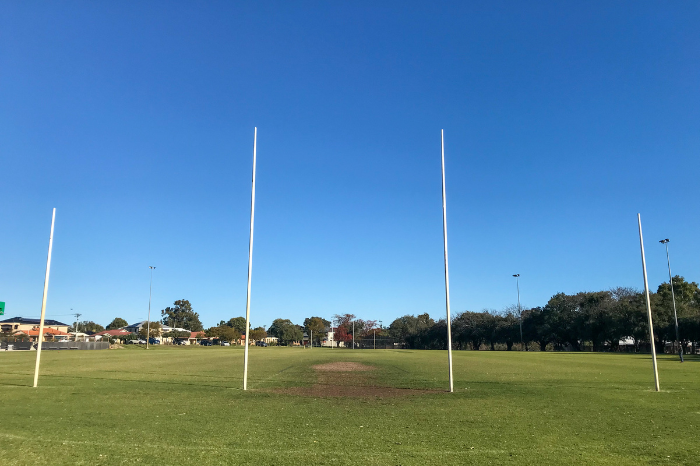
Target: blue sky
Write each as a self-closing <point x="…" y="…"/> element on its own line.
<point x="562" y="121"/>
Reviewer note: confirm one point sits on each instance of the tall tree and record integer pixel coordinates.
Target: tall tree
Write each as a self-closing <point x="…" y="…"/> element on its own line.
<point x="118" y="322"/>
<point x="223" y="332"/>
<point x="154" y="330"/>
<point x="237" y="323"/>
<point x="87" y="327"/>
<point x="285" y="331"/>
<point x="257" y="334"/>
<point x="181" y="315"/>
<point x="412" y="330"/>
<point x="317" y="326"/>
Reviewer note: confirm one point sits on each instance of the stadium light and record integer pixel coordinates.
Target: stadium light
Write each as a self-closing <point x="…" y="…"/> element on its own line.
<point x="250" y="267"/>
<point x="43" y="302"/>
<point x="150" y="293"/>
<point x="447" y="275"/>
<point x="520" y="311"/>
<point x="646" y="293"/>
<point x="673" y="296"/>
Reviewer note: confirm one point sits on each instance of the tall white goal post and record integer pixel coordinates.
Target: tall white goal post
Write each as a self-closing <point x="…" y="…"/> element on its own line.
<point x="447" y="274"/>
<point x="43" y="303"/>
<point x="250" y="267"/>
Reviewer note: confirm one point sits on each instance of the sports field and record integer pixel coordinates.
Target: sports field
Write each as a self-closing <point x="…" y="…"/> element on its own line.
<point x="184" y="405"/>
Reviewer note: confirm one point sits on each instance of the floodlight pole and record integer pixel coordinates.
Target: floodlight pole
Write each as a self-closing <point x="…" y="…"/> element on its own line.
<point x="673" y="296"/>
<point x="520" y="311"/>
<point x="250" y="266"/>
<point x="148" y="322"/>
<point x="43" y="302"/>
<point x="646" y="292"/>
<point x="447" y="276"/>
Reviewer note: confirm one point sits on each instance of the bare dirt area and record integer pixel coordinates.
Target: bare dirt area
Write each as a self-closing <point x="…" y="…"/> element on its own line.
<point x="340" y="379"/>
<point x="343" y="367"/>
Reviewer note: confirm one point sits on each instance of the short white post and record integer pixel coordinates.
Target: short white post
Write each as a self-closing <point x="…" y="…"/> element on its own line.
<point x="43" y="302"/>
<point x="447" y="275"/>
<point x="250" y="267"/>
<point x="646" y="292"/>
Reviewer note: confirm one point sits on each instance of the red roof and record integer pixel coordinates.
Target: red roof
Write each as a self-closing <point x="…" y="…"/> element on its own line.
<point x="115" y="332"/>
<point x="47" y="331"/>
<point x="197" y="334"/>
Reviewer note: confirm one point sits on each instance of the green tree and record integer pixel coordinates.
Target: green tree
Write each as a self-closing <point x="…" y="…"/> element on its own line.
<point x="117" y="323"/>
<point x="258" y="334"/>
<point x="223" y="332"/>
<point x="317" y="326"/>
<point x="86" y="327"/>
<point x="285" y="331"/>
<point x="177" y="334"/>
<point x="413" y="331"/>
<point x="154" y="330"/>
<point x="181" y="315"/>
<point x="237" y="323"/>
<point x="687" y="306"/>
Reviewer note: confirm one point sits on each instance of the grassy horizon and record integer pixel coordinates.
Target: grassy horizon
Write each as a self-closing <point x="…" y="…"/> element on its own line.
<point x="180" y="405"/>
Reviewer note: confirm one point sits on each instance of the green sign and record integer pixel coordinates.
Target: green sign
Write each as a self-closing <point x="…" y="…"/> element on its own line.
<point x="2" y="308"/>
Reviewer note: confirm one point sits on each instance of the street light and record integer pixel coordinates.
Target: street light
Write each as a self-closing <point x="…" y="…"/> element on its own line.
<point x="520" y="311"/>
<point x="673" y="296"/>
<point x="150" y="293"/>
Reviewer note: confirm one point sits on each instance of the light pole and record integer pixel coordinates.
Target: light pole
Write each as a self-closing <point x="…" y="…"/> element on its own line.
<point x="520" y="311"/>
<point x="673" y="296"/>
<point x="353" y="334"/>
<point x="150" y="293"/>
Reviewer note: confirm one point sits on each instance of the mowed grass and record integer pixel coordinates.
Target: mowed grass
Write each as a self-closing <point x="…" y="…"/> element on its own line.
<point x="180" y="405"/>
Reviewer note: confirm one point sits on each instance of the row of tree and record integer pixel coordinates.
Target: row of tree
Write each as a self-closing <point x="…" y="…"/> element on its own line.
<point x="598" y="319"/>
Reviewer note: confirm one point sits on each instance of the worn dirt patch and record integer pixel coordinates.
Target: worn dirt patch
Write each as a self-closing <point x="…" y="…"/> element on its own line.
<point x="343" y="367"/>
<point x="348" y="379"/>
<point x="358" y="391"/>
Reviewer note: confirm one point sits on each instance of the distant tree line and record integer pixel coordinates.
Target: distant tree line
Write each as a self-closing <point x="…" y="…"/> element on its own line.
<point x="597" y="319"/>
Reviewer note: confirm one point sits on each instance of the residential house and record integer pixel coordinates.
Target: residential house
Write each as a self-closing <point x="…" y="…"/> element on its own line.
<point x="49" y="334"/>
<point x="22" y="323"/>
<point x="117" y="333"/>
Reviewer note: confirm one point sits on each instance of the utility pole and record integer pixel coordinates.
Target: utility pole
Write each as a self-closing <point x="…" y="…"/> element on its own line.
<point x="77" y="323"/>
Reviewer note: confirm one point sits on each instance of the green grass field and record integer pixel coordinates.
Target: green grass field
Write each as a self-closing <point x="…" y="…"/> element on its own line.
<point x="185" y="405"/>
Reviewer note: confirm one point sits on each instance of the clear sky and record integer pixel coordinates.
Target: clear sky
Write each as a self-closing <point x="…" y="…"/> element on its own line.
<point x="135" y="120"/>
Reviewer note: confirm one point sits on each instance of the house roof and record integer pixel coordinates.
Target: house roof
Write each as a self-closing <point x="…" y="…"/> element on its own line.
<point x="25" y="321"/>
<point x="114" y="332"/>
<point x="197" y="334"/>
<point x="47" y="331"/>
